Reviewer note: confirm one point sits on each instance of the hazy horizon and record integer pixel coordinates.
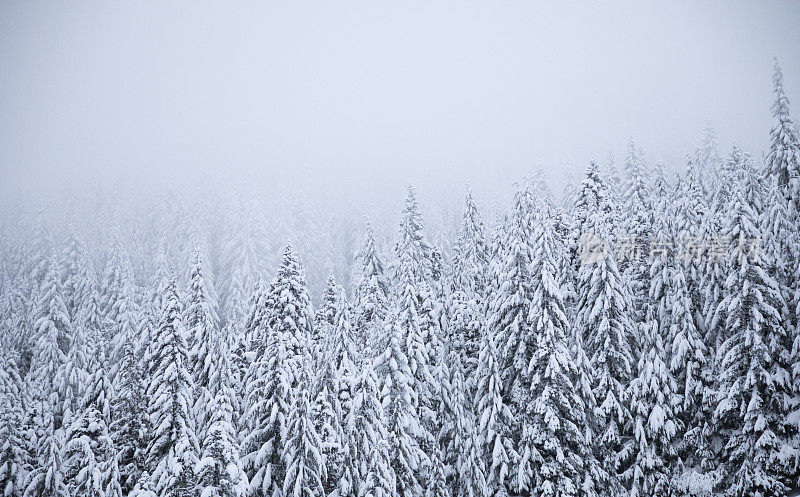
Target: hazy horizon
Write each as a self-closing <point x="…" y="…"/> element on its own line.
<point x="357" y="96"/>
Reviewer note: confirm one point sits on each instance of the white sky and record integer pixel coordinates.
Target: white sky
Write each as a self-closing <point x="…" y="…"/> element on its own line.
<point x="366" y="94"/>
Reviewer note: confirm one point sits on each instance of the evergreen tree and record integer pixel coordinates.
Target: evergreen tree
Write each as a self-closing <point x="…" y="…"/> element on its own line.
<point x="494" y="419"/>
<point x="371" y="295"/>
<point x="274" y="375"/>
<point x="72" y="374"/>
<point x="458" y="440"/>
<point x="750" y="415"/>
<point x="130" y="425"/>
<point x="552" y="445"/>
<point x="783" y="238"/>
<point x="399" y="402"/>
<point x="635" y="231"/>
<point x="14" y="463"/>
<point x="783" y="159"/>
<point x="689" y="364"/>
<point x="509" y="304"/>
<point x="302" y="452"/>
<point x="654" y="427"/>
<point x="51" y="329"/>
<point x="413" y="324"/>
<point x="89" y="455"/>
<point x="470" y="266"/>
<point x="337" y="376"/>
<point x="367" y="453"/>
<point x="77" y="275"/>
<point x="203" y="332"/>
<point x="173" y="450"/>
<point x="471" y="257"/>
<point x="326" y="314"/>
<point x="605" y="326"/>
<point x="219" y="472"/>
<point x="47" y="477"/>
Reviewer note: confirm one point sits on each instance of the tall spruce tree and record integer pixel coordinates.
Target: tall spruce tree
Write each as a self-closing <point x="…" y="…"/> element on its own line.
<point x="371" y="294"/>
<point x="173" y="450"/>
<point x="605" y="325"/>
<point x="495" y="419"/>
<point x="219" y="471"/>
<point x="399" y="401"/>
<point x="750" y="415"/>
<point x="467" y="301"/>
<point x="367" y="453"/>
<point x="553" y="444"/>
<point x="202" y="326"/>
<point x="283" y="342"/>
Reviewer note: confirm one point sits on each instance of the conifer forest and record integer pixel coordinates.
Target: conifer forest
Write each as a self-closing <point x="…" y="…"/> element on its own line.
<point x="634" y="331"/>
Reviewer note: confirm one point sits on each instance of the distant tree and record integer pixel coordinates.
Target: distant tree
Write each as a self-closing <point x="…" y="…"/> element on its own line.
<point x="371" y="295"/>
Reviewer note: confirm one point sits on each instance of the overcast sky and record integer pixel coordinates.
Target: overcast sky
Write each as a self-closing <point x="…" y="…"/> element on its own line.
<point x="354" y="93"/>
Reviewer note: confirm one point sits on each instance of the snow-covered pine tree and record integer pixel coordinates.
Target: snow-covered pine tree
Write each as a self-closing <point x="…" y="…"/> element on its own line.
<point x="467" y="301"/>
<point x="370" y="296"/>
<point x="595" y="479"/>
<point x="604" y="323"/>
<point x="399" y="400"/>
<point x="714" y="267"/>
<point x="302" y="449"/>
<point x="90" y="467"/>
<point x="130" y="425"/>
<point x="338" y="373"/>
<point x="637" y="223"/>
<point x="783" y="238"/>
<point x="52" y="329"/>
<point x="652" y="394"/>
<point x="219" y="471"/>
<point x="173" y="450"/>
<point x="72" y="374"/>
<point x="367" y="458"/>
<point x="274" y="374"/>
<point x="47" y="476"/>
<point x="751" y="414"/>
<point x="325" y="319"/>
<point x="269" y="389"/>
<point x="202" y="324"/>
<point x="682" y="322"/>
<point x="76" y="277"/>
<point x="144" y="487"/>
<point x="291" y="314"/>
<point x="14" y="449"/>
<point x="39" y="255"/>
<point x="783" y="159"/>
<point x="458" y="441"/>
<point x="412" y="323"/>
<point x="470" y="256"/>
<point x="495" y="419"/>
<point x="411" y="244"/>
<point x="328" y="428"/>
<point x="707" y="159"/>
<point x="552" y="446"/>
<point x="510" y="302"/>
<point x="114" y="292"/>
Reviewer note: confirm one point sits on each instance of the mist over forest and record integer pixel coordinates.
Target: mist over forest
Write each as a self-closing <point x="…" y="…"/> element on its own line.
<point x="385" y="250"/>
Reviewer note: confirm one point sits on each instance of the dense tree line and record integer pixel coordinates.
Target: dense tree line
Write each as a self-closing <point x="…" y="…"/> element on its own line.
<point x="636" y="336"/>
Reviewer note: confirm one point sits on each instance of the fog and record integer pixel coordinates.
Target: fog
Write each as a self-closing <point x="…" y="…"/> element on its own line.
<point x="399" y="249"/>
<point x="359" y="99"/>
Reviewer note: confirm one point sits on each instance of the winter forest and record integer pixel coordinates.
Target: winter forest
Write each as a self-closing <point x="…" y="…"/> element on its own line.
<point x="634" y="332"/>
